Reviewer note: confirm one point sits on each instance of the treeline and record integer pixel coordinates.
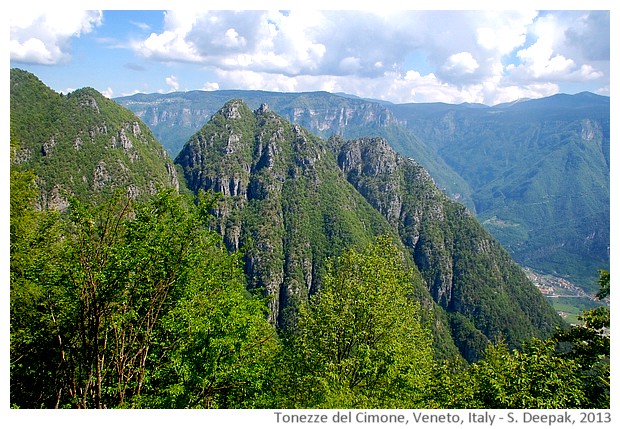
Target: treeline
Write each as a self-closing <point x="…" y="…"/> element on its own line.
<point x="137" y="304"/>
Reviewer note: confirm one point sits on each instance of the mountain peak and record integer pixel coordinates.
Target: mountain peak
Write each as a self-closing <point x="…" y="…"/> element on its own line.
<point x="83" y="144"/>
<point x="264" y="108"/>
<point x="234" y="109"/>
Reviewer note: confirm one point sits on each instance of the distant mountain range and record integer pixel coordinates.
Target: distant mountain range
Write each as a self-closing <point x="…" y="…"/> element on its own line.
<point x="534" y="172"/>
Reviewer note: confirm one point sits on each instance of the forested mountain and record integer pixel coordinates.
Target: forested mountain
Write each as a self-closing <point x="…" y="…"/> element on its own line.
<point x="468" y="273"/>
<point x="82" y="144"/>
<point x="538" y="171"/>
<point x="288" y="204"/>
<point x="283" y="200"/>
<point x="297" y="272"/>
<point x="176" y="116"/>
<point x="535" y="173"/>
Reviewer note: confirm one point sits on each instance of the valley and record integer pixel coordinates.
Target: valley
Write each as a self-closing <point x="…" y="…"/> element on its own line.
<point x="568" y="299"/>
<point x="267" y="266"/>
<point x="534" y="173"/>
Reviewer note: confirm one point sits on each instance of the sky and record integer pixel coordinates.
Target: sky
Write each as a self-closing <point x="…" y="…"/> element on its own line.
<point x="476" y="56"/>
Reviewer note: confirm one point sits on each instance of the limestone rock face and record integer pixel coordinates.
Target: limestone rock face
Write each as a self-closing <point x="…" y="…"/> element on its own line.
<point x="465" y="270"/>
<point x="290" y="200"/>
<point x="282" y="200"/>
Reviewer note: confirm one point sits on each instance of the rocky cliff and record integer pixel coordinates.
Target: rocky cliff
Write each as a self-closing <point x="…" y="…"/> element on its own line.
<point x="467" y="272"/>
<point x="291" y="200"/>
<point x="283" y="200"/>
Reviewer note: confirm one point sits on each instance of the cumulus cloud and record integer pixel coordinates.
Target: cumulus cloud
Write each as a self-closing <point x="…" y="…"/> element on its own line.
<point x="44" y="37"/>
<point x="483" y="55"/>
<point x="172" y="82"/>
<point x="401" y="56"/>
<point x="503" y="32"/>
<point x="108" y="92"/>
<point x="558" y="54"/>
<point x="211" y="86"/>
<point x="460" y="63"/>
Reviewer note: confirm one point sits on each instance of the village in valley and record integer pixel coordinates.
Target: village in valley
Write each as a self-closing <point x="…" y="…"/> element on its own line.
<point x="567" y="298"/>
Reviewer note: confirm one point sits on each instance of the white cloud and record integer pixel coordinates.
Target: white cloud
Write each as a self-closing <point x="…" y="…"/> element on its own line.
<point x="401" y="56"/>
<point x="108" y="93"/>
<point x="173" y="83"/>
<point x="44" y="37"/>
<point x="211" y="86"/>
<point x="547" y="58"/>
<point x="460" y="63"/>
<point x="587" y="36"/>
<point x="503" y="32"/>
<point x="539" y="61"/>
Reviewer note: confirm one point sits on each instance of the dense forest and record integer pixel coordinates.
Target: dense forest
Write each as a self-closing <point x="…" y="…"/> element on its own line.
<point x="138" y="304"/>
<point x="274" y="270"/>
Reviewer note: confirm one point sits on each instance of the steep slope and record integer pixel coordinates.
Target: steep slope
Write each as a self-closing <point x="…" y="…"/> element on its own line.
<point x="283" y="201"/>
<point x="466" y="270"/>
<point x="82" y="144"/>
<point x="289" y="206"/>
<point x="539" y="173"/>
<point x="175" y="117"/>
<point x="535" y="172"/>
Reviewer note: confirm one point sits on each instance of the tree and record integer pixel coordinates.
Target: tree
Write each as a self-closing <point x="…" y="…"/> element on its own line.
<point x="569" y="370"/>
<point x="120" y="294"/>
<point x="359" y="342"/>
<point x="535" y="377"/>
<point x="589" y="344"/>
<point x="34" y="243"/>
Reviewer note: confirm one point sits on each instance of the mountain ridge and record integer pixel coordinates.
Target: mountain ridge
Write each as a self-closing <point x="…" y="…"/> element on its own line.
<point x="82" y="144"/>
<point x="270" y="169"/>
<point x="451" y="141"/>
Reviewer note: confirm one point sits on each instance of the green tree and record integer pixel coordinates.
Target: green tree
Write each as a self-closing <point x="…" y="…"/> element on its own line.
<point x="535" y="377"/>
<point x="569" y="370"/>
<point x="102" y="318"/>
<point x="360" y="342"/>
<point x="34" y="243"/>
<point x="589" y="344"/>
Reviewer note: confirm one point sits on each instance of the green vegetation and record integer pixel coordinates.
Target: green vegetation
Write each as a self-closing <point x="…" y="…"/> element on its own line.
<point x="467" y="272"/>
<point x="569" y="370"/>
<point x="82" y="144"/>
<point x="132" y="305"/>
<point x="297" y="273"/>
<point x="137" y="305"/>
<point x="281" y="199"/>
<point x="536" y="172"/>
<point x="360" y="343"/>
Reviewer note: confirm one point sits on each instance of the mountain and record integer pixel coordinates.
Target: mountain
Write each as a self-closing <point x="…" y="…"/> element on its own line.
<point x="176" y="116"/>
<point x="283" y="200"/>
<point x="538" y="172"/>
<point x="468" y="273"/>
<point x="534" y="172"/>
<point x="291" y="200"/>
<point x="82" y="144"/>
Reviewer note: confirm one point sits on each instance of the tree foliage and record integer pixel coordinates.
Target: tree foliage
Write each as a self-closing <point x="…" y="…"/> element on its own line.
<point x="117" y="298"/>
<point x="569" y="370"/>
<point x="360" y="342"/>
<point x="589" y="345"/>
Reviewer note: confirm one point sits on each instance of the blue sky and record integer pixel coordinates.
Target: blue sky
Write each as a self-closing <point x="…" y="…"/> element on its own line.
<point x="401" y="56"/>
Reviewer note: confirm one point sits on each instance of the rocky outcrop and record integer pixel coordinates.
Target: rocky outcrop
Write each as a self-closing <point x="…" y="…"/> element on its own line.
<point x="282" y="200"/>
<point x="285" y="200"/>
<point x="466" y="271"/>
